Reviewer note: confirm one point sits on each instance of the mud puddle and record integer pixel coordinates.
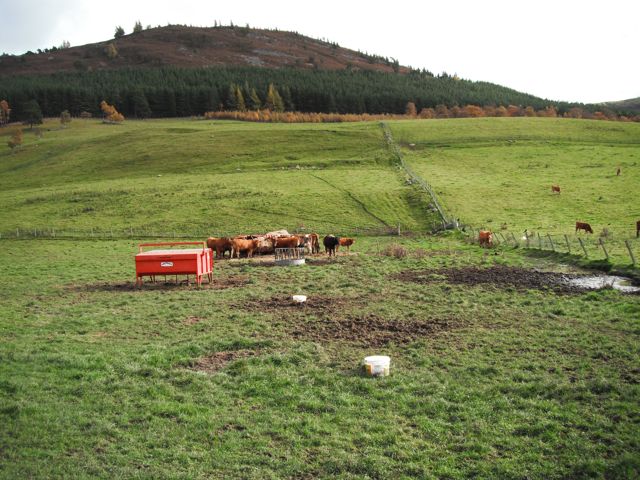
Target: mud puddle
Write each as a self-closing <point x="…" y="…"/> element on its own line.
<point x="516" y="277"/>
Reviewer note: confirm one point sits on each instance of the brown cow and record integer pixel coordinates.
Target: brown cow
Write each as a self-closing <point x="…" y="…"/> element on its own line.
<point x="315" y="243"/>
<point x="242" y="245"/>
<point x="583" y="226"/>
<point x="346" y="242"/>
<point x="638" y="229"/>
<point x="265" y="245"/>
<point x="219" y="245"/>
<point x="555" y="188"/>
<point x="287" y="242"/>
<point x="485" y="238"/>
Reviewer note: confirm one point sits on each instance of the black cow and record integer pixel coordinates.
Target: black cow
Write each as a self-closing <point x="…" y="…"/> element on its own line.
<point x="330" y="242"/>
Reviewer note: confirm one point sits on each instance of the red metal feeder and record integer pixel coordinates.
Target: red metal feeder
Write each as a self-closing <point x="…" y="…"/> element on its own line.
<point x="185" y="261"/>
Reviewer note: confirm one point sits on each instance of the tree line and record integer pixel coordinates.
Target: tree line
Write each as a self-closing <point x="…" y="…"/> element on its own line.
<point x="180" y="92"/>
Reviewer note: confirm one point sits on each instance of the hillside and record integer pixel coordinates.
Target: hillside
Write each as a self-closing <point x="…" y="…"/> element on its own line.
<point x="630" y="106"/>
<point x="193" y="47"/>
<point x="178" y="71"/>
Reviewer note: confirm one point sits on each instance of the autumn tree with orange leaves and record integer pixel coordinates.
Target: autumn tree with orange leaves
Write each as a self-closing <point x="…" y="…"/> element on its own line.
<point x="111" y="115"/>
<point x="5" y="112"/>
<point x="15" y="140"/>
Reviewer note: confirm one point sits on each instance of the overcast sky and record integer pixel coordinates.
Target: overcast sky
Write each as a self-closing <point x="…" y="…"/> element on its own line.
<point x="573" y="50"/>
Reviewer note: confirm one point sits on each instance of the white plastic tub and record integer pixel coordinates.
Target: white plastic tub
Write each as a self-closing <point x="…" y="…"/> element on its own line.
<point x="299" y="298"/>
<point x="377" y="365"/>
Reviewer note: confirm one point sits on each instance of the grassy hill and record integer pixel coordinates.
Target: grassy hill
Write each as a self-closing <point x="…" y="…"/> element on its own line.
<point x="200" y="176"/>
<point x="491" y="172"/>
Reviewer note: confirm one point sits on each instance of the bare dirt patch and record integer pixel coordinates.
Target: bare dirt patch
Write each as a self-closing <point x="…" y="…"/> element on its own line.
<point x="217" y="361"/>
<point x="497" y="275"/>
<point x="315" y="304"/>
<point x="333" y="319"/>
<point x="371" y="330"/>
<point x="218" y="283"/>
<point x="192" y="320"/>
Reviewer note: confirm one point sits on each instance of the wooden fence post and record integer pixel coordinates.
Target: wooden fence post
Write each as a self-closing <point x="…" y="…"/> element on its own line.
<point x="606" y="254"/>
<point x="566" y="239"/>
<point x="633" y="258"/>
<point x="539" y="242"/>
<point x="551" y="242"/>
<point x="398" y="229"/>
<point x="515" y="242"/>
<point x="583" y="249"/>
<point x="526" y="235"/>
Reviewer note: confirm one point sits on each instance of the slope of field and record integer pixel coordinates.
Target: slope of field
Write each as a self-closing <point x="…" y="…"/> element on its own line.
<point x="197" y="176"/>
<point x="491" y="172"/>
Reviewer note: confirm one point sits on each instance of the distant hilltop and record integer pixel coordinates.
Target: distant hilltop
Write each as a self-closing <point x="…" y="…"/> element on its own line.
<point x="182" y="46"/>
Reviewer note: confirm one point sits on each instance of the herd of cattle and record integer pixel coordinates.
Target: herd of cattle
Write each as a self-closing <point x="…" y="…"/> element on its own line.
<point x="266" y="244"/>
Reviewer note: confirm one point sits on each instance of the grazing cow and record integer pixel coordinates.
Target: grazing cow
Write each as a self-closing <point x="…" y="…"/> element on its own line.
<point x="346" y="242"/>
<point x="330" y="242"/>
<point x="242" y="245"/>
<point x="315" y="243"/>
<point x="638" y="229"/>
<point x="220" y="245"/>
<point x="555" y="188"/>
<point x="485" y="238"/>
<point x="287" y="242"/>
<point x="583" y="226"/>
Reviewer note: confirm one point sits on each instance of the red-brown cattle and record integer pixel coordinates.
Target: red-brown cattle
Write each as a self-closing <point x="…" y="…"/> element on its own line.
<point x="265" y="245"/>
<point x="555" y="188"/>
<point x="485" y="238"/>
<point x="315" y="243"/>
<point x="287" y="242"/>
<point x="219" y="245"/>
<point x="346" y="242"/>
<point x="242" y="245"/>
<point x="583" y="226"/>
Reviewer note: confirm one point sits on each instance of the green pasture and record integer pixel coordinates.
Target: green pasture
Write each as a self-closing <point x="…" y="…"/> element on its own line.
<point x="200" y="176"/>
<point x="97" y="378"/>
<point x="497" y="173"/>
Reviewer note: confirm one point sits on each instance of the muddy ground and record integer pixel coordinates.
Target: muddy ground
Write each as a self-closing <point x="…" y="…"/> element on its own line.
<point x="332" y="319"/>
<point x="217" y="361"/>
<point x="497" y="275"/>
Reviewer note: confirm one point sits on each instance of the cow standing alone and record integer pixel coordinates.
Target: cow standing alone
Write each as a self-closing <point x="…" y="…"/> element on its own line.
<point x="555" y="188"/>
<point x="583" y="226"/>
<point x="485" y="238"/>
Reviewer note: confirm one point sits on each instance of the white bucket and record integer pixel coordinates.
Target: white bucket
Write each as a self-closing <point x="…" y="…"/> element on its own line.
<point x="377" y="365"/>
<point x="299" y="298"/>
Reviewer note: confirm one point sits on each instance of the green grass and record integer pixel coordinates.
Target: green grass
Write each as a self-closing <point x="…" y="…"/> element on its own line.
<point x="94" y="377"/>
<point x="197" y="176"/>
<point x="491" y="172"/>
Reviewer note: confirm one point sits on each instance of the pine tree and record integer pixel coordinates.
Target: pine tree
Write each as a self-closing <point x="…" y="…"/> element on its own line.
<point x="254" y="100"/>
<point x="137" y="28"/>
<point x="274" y="101"/>
<point x="119" y="32"/>
<point x="240" y="105"/>
<point x="32" y="113"/>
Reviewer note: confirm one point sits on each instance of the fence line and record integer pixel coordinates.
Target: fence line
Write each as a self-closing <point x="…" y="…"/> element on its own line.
<point x="447" y="220"/>
<point x="591" y="248"/>
<point x="124" y="233"/>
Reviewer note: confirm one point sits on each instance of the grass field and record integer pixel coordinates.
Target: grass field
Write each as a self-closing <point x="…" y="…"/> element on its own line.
<point x="217" y="177"/>
<point x="491" y="172"/>
<point x="97" y="379"/>
<point x="496" y="371"/>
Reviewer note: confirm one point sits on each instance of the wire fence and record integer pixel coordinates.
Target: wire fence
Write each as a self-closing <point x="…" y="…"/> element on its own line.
<point x="593" y="248"/>
<point x="143" y="233"/>
<point x="448" y="220"/>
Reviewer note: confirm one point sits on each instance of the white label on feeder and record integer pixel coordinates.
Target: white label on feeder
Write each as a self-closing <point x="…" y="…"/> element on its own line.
<point x="166" y="264"/>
